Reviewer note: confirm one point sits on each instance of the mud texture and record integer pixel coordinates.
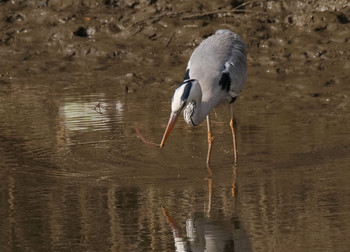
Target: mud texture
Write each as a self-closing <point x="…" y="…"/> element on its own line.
<point x="127" y="38"/>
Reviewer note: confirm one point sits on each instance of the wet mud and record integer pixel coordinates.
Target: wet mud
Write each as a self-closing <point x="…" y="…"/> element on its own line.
<point x="81" y="80"/>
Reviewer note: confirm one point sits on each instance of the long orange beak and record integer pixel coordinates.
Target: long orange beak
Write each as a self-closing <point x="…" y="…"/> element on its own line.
<point x="171" y="123"/>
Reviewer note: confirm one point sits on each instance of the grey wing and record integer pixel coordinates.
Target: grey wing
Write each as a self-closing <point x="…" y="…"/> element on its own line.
<point x="234" y="73"/>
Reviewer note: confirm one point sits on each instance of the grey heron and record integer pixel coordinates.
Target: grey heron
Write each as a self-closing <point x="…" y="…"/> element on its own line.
<point x="215" y="73"/>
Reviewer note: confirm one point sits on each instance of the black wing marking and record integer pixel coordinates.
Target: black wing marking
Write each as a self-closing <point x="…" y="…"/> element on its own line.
<point x="187" y="76"/>
<point x="225" y="81"/>
<point x="187" y="89"/>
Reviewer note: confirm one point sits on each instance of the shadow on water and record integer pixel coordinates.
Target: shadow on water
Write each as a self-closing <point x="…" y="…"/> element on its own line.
<point x="76" y="176"/>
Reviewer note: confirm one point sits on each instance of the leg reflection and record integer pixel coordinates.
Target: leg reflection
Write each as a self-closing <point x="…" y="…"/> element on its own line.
<point x="234" y="181"/>
<point x="210" y="194"/>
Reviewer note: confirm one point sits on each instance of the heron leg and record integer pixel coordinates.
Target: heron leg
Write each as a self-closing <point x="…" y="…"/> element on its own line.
<point x="233" y="129"/>
<point x="210" y="144"/>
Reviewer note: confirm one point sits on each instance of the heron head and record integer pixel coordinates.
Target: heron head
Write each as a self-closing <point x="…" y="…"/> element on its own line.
<point x="185" y="98"/>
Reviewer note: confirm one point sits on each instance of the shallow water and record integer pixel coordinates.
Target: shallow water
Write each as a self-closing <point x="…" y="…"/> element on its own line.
<point x="75" y="175"/>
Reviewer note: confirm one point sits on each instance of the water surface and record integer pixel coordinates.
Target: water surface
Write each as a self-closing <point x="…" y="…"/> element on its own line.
<point x="75" y="175"/>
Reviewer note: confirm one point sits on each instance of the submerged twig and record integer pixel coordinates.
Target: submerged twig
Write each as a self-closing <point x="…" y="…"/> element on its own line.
<point x="98" y="108"/>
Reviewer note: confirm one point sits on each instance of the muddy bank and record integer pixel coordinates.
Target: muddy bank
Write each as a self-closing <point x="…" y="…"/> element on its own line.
<point x="56" y="36"/>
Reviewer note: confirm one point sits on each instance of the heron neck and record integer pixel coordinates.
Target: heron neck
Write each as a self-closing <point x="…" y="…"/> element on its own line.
<point x="199" y="115"/>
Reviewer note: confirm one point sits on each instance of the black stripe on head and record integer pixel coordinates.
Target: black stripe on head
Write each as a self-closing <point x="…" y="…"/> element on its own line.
<point x="187" y="76"/>
<point x="225" y="81"/>
<point x="187" y="89"/>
